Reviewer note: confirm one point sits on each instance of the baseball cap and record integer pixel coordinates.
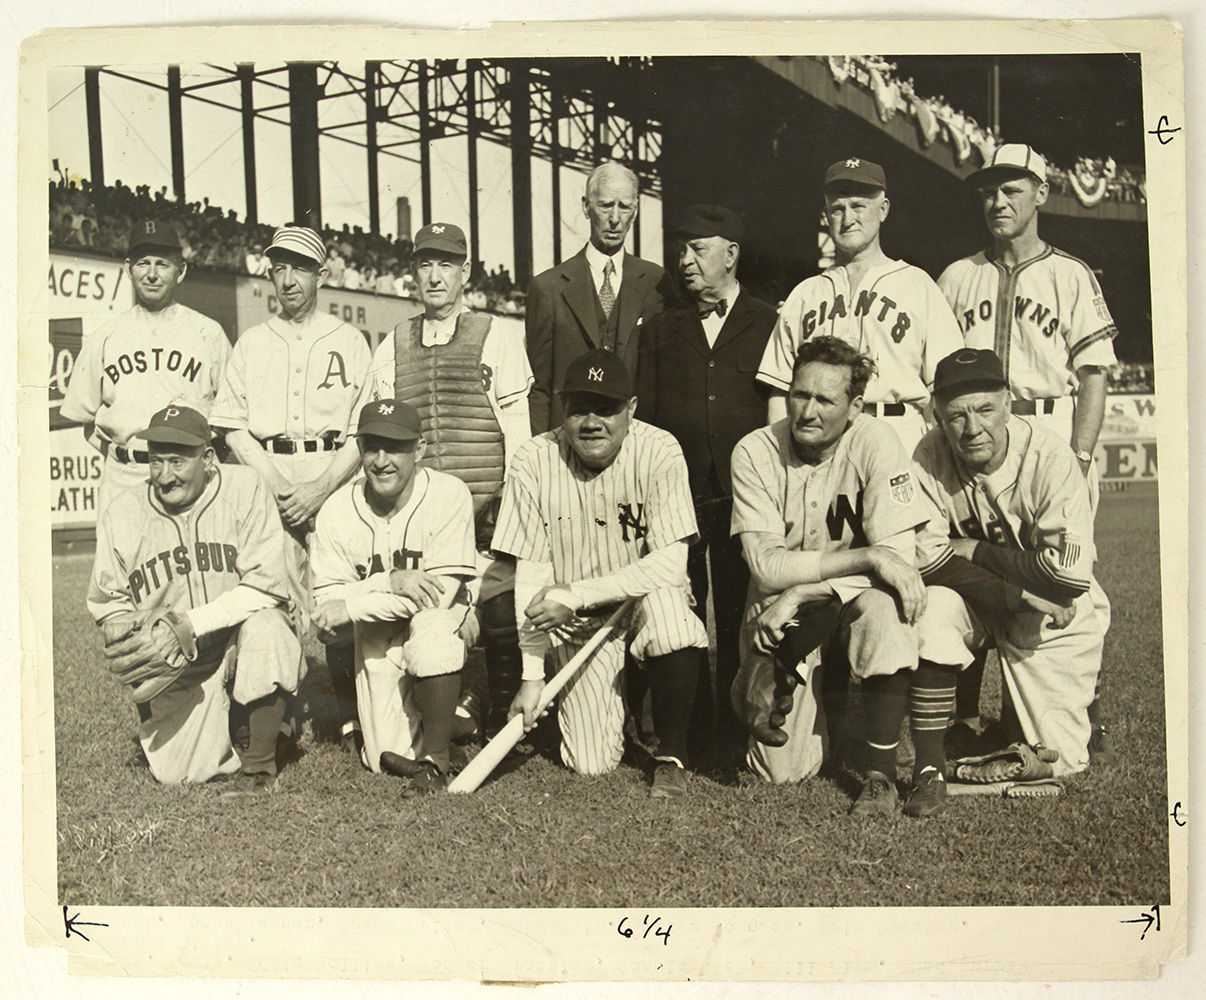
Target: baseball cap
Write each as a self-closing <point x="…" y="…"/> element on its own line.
<point x="298" y="240"/>
<point x="1009" y="158"/>
<point x="709" y="220"/>
<point x="600" y="372"/>
<point x="969" y="370"/>
<point x="389" y="418"/>
<point x="177" y="425"/>
<point x="441" y="237"/>
<point x="155" y="233"/>
<point x="858" y="172"/>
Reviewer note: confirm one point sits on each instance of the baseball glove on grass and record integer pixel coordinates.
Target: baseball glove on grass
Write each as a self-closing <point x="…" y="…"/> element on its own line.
<point x="148" y="649"/>
<point x="1017" y="762"/>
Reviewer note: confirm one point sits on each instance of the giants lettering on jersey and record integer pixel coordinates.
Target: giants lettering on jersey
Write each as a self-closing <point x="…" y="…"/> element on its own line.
<point x="153" y="361"/>
<point x="865" y="306"/>
<point x="158" y="571"/>
<point x="401" y="559"/>
<point x="1023" y="309"/>
<point x="842" y="515"/>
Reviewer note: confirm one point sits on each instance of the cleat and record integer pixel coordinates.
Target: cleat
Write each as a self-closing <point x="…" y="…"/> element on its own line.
<point x="250" y="786"/>
<point x="669" y="781"/>
<point x="1100" y="753"/>
<point x="353" y="742"/>
<point x="427" y="780"/>
<point x="397" y="765"/>
<point x="468" y="723"/>
<point x="928" y="795"/>
<point x="878" y="796"/>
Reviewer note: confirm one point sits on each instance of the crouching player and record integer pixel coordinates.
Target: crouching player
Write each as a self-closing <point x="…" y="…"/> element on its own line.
<point x="392" y="553"/>
<point x="203" y="542"/>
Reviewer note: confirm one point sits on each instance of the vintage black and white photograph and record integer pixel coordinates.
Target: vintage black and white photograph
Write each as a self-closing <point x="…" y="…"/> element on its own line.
<point x="643" y="483"/>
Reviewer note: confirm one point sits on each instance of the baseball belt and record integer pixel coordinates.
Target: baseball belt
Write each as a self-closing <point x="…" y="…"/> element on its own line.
<point x="127" y="456"/>
<point x="1031" y="407"/>
<point x="884" y="409"/>
<point x="287" y="446"/>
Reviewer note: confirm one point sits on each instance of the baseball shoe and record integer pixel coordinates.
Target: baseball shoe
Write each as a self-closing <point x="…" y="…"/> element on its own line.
<point x="250" y="786"/>
<point x="878" y="796"/>
<point x="1100" y="754"/>
<point x="397" y="765"/>
<point x="669" y="781"/>
<point x="427" y="779"/>
<point x="928" y="795"/>
<point x="352" y="741"/>
<point x="467" y="723"/>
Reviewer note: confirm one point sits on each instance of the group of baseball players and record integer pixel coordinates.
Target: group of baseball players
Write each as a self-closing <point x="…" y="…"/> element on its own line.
<point x="875" y="483"/>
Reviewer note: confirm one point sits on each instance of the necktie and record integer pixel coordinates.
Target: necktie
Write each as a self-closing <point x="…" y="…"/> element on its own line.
<point x="707" y="308"/>
<point x="607" y="294"/>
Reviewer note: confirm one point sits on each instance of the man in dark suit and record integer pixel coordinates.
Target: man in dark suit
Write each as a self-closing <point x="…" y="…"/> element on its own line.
<point x="600" y="297"/>
<point x="696" y="379"/>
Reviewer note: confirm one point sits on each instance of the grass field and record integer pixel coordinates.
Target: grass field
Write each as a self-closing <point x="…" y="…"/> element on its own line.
<point x="336" y="835"/>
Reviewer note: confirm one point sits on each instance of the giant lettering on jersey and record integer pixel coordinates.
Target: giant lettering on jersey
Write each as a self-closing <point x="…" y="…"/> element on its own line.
<point x="401" y="559"/>
<point x="880" y="308"/>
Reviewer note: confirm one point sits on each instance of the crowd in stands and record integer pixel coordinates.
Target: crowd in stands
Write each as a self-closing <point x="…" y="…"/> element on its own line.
<point x="1132" y="378"/>
<point x="99" y="219"/>
<point x="1090" y="181"/>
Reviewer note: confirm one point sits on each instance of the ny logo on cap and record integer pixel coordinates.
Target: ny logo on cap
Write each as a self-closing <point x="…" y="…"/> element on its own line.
<point x="150" y="228"/>
<point x="853" y="164"/>
<point x="595" y="374"/>
<point x="385" y="408"/>
<point x="437" y="229"/>
<point x="171" y="412"/>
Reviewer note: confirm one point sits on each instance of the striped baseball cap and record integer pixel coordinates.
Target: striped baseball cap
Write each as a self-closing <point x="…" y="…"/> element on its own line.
<point x="298" y="240"/>
<point x="1011" y="158"/>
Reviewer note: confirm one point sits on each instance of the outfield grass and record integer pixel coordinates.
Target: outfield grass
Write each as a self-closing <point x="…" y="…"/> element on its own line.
<point x="336" y="835"/>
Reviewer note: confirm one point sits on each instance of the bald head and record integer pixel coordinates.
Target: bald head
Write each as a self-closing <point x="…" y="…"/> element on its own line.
<point x="610" y="205"/>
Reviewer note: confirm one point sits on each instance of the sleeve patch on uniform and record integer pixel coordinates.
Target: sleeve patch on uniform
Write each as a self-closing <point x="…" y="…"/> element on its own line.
<point x="1103" y="312"/>
<point x="1069" y="549"/>
<point x="902" y="488"/>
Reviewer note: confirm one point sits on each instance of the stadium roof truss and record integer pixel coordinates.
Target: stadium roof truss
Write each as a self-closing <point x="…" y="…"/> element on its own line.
<point x="396" y="108"/>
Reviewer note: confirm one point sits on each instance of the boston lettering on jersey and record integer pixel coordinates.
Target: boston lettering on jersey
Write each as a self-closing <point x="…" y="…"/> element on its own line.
<point x="865" y="306"/>
<point x="402" y="559"/>
<point x="153" y="360"/>
<point x="200" y="557"/>
<point x="1023" y="309"/>
<point x="843" y="514"/>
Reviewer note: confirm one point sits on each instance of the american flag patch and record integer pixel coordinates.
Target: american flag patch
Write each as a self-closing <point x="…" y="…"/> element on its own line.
<point x="902" y="488"/>
<point x="1069" y="550"/>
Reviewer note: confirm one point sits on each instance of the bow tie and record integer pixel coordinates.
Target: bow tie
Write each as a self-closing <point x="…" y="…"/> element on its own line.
<point x="707" y="308"/>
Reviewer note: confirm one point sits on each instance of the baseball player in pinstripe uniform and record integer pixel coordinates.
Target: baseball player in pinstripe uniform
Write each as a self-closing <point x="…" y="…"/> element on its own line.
<point x="392" y="552"/>
<point x="597" y="511"/>
<point x="1043" y="313"/>
<point x="205" y="541"/>
<point x="885" y="308"/>
<point x="289" y="400"/>
<point x="467" y="373"/>
<point x="156" y="353"/>
<point x="821" y="499"/>
<point x="1012" y="500"/>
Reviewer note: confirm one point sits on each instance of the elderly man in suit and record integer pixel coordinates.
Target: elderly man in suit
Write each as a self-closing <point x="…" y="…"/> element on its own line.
<point x="600" y="297"/>
<point x="696" y="379"/>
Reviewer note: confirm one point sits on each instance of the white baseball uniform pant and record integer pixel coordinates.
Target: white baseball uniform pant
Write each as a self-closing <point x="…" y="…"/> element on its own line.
<point x="1049" y="673"/>
<point x="590" y="708"/>
<point x="185" y="732"/>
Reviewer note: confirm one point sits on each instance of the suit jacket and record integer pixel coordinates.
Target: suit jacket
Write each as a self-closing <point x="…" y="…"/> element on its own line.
<point x="707" y="397"/>
<point x="562" y="316"/>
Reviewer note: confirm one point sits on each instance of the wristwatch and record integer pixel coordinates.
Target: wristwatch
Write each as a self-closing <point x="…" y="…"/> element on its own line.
<point x="1085" y="456"/>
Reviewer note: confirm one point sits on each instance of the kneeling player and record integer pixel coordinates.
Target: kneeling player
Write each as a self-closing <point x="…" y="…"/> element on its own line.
<point x="189" y="586"/>
<point x="392" y="551"/>
<point x="598" y="511"/>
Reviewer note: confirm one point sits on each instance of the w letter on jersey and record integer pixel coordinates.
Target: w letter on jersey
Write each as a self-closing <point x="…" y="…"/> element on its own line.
<point x="843" y="513"/>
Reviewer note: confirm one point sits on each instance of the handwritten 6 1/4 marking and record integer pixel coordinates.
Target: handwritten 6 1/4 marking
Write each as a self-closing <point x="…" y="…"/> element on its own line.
<point x="650" y="924"/>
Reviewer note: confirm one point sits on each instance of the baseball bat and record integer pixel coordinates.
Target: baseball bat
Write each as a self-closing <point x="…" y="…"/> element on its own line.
<point x="492" y="753"/>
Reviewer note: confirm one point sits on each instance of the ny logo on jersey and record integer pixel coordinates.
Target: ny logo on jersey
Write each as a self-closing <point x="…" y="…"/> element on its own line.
<point x="627" y="520"/>
<point x="843" y="513"/>
<point x="335" y="367"/>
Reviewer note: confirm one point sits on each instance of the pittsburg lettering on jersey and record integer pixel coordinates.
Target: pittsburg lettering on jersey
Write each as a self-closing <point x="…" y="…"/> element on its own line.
<point x="865" y="306"/>
<point x="153" y="360"/>
<point x="1040" y="316"/>
<point x="158" y="571"/>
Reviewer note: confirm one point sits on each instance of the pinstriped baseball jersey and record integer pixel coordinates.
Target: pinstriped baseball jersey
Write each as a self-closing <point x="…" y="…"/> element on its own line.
<point x="433" y="532"/>
<point x="1044" y="318"/>
<point x="863" y="494"/>
<point x="139" y="362"/>
<point x="295" y="380"/>
<point x="588" y="523"/>
<point x="897" y="316"/>
<point x="147" y="557"/>
<point x="1036" y="502"/>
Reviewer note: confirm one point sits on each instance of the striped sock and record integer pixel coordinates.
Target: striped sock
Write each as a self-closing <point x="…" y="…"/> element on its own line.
<point x="931" y="701"/>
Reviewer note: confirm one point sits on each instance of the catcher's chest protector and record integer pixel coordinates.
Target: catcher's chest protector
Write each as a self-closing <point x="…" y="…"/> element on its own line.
<point x="448" y="385"/>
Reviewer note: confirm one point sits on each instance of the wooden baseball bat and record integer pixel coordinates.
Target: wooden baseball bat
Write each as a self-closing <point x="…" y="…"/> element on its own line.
<point x="492" y="753"/>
